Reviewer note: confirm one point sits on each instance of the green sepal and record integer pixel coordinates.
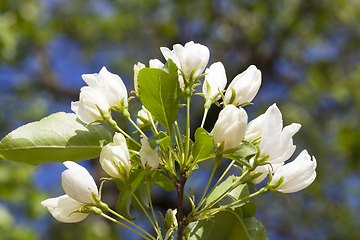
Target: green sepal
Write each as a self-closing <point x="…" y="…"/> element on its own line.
<point x="242" y="153"/>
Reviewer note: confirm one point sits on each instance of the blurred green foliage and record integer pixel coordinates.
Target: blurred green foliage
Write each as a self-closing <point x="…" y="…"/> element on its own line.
<point x="308" y="52"/>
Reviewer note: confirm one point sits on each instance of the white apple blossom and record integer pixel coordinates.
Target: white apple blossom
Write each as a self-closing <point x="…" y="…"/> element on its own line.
<point x="230" y="127"/>
<point x="64" y="209"/>
<point x="104" y="90"/>
<point x="188" y="57"/>
<point x="276" y="141"/>
<point x="246" y="85"/>
<point x="216" y="80"/>
<point x="78" y="183"/>
<point x="148" y="156"/>
<point x="115" y="158"/>
<point x="297" y="174"/>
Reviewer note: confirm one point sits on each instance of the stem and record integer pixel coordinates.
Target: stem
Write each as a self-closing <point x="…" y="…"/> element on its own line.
<point x="180" y="145"/>
<point x="129" y="222"/>
<point x="125" y="226"/>
<point x="136" y="126"/>
<point x="147" y="215"/>
<point x="204" y="117"/>
<point x="217" y="160"/>
<point x="217" y="183"/>
<point x="182" y="223"/>
<point x="261" y="191"/>
<point x="187" y="141"/>
<point x="127" y="135"/>
<point x="152" y="210"/>
<point x="232" y="187"/>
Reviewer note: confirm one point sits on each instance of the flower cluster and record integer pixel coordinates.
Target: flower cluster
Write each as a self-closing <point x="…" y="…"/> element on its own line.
<point x="132" y="163"/>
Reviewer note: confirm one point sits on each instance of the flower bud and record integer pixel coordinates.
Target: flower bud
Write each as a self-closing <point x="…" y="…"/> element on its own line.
<point x="215" y="81"/>
<point x="64" y="209"/>
<point x="78" y="183"/>
<point x="149" y="156"/>
<point x="189" y="57"/>
<point x="112" y="87"/>
<point x="230" y="127"/>
<point x="115" y="158"/>
<point x="144" y="114"/>
<point x="87" y="108"/>
<point x="246" y="85"/>
<point x="297" y="174"/>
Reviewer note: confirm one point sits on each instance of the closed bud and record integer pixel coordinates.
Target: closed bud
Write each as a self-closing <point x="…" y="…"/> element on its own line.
<point x="115" y="158"/>
<point x="230" y="127"/>
<point x="215" y="81"/>
<point x="245" y="85"/>
<point x="149" y="157"/>
<point x="143" y="117"/>
<point x="78" y="183"/>
<point x="87" y="108"/>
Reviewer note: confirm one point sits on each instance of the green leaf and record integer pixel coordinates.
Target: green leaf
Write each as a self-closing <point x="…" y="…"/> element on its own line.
<point x="162" y="181"/>
<point x="142" y="195"/>
<point x="163" y="140"/>
<point x="57" y="138"/>
<point x="204" y="144"/>
<point x="222" y="188"/>
<point x="159" y="92"/>
<point x="124" y="200"/>
<point x="242" y="154"/>
<point x="228" y="225"/>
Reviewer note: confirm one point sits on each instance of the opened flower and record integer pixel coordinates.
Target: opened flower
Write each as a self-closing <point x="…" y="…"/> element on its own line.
<point x="188" y="57"/>
<point x="297" y="174"/>
<point x="104" y="90"/>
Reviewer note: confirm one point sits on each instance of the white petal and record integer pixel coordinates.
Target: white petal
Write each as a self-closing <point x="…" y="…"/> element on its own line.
<point x="62" y="208"/>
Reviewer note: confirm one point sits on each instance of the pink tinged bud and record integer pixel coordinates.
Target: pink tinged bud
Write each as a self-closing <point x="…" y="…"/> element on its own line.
<point x="149" y="156"/>
<point x="189" y="57"/>
<point x="64" y="209"/>
<point x="78" y="183"/>
<point x="230" y="127"/>
<point x="297" y="174"/>
<point x="115" y="158"/>
<point x="277" y="141"/>
<point x="246" y="85"/>
<point x="215" y="81"/>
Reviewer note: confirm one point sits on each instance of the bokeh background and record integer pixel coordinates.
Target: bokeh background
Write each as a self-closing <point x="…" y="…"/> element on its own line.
<point x="309" y="55"/>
